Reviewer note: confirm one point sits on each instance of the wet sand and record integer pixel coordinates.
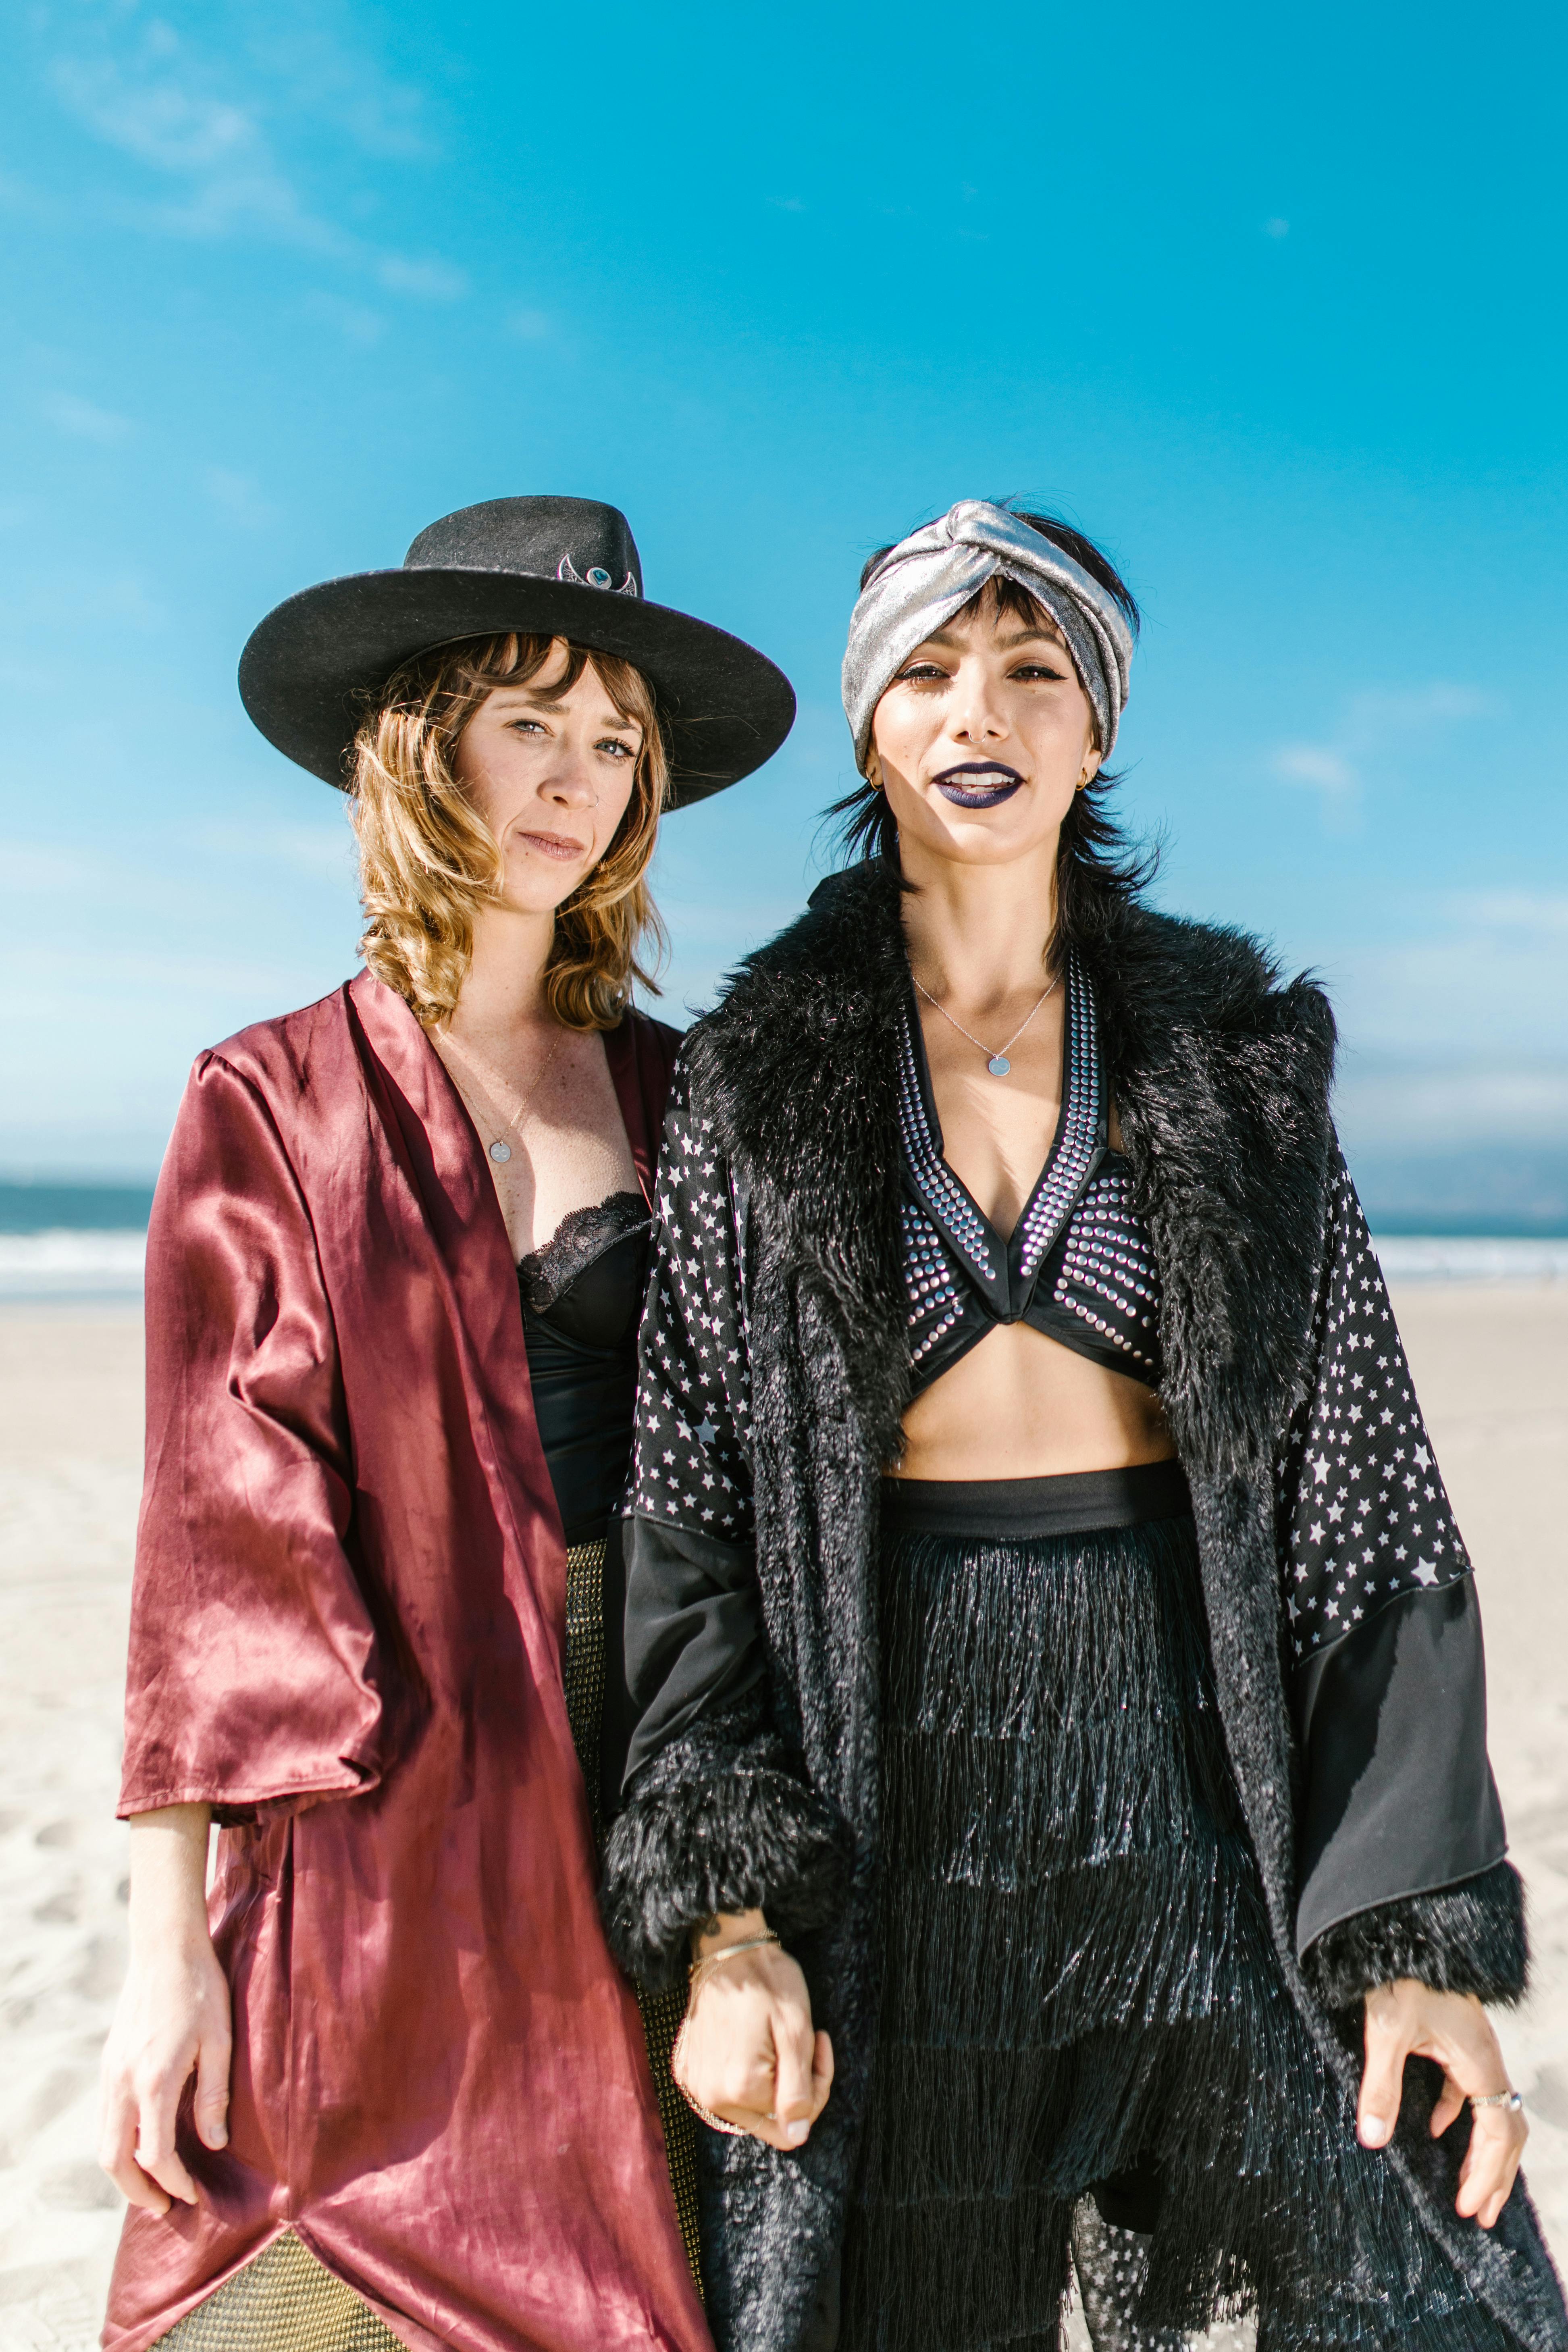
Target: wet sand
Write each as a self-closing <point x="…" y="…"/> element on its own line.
<point x="1491" y="1366"/>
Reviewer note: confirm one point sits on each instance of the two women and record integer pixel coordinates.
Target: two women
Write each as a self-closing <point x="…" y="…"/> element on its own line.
<point x="397" y="2093"/>
<point x="1060" y="1755"/>
<point x="1061" y="1758"/>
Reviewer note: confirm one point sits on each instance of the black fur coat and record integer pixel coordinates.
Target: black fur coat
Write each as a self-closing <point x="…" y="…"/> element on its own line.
<point x="1221" y="1077"/>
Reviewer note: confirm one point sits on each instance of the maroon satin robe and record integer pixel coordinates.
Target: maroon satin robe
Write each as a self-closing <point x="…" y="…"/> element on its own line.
<point x="346" y="1638"/>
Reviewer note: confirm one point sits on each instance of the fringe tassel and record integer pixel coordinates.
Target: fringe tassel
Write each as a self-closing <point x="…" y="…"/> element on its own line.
<point x="1077" y="1976"/>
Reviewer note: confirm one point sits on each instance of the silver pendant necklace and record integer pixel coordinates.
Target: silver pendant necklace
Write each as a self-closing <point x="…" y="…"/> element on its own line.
<point x="996" y="1063"/>
<point x="501" y="1149"/>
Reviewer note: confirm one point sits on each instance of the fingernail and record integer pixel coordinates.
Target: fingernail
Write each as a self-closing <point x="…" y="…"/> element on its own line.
<point x="1374" y="2130"/>
<point x="796" y="2133"/>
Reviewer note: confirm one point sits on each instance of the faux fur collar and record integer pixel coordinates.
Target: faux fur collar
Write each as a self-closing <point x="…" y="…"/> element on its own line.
<point x="1221" y="1077"/>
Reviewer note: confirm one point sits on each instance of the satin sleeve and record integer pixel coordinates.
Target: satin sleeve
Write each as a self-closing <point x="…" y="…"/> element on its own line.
<point x="255" y="1673"/>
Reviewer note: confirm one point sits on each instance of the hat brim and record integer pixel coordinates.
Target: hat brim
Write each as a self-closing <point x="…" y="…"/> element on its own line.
<point x="310" y="672"/>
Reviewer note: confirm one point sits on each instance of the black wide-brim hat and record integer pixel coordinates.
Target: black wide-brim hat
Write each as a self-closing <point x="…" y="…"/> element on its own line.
<point x="550" y="567"/>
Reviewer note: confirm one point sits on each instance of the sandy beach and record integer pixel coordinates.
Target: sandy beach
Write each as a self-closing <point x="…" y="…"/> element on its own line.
<point x="1491" y="1365"/>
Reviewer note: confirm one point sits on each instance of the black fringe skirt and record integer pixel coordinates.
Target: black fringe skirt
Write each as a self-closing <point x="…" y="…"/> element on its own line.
<point x="1079" y="1993"/>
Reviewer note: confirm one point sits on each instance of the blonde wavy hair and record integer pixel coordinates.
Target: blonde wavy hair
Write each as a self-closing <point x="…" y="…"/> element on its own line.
<point x="427" y="861"/>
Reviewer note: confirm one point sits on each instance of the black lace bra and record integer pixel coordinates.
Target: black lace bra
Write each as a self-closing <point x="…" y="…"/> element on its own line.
<point x="1078" y="1265"/>
<point x="582" y="1301"/>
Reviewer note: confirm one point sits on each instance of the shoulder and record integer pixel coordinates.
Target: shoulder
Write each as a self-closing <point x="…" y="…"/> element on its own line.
<point x="1162" y="978"/>
<point x="838" y="970"/>
<point x="266" y="1051"/>
<point x="791" y="1069"/>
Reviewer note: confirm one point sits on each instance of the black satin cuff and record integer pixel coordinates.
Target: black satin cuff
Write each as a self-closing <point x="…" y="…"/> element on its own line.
<point x="693" y="1632"/>
<point x="1399" y="1800"/>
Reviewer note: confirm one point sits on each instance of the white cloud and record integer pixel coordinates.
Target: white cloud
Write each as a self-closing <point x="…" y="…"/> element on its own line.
<point x="204" y="129"/>
<point x="1377" y="716"/>
<point x="341" y="86"/>
<point x="1375" y="723"/>
<point x="154" y="110"/>
<point x="353" y="321"/>
<point x="237" y="498"/>
<point x="1316" y="764"/>
<point x="1391" y="1109"/>
<point x="30" y="865"/>
<point x="1516" y="910"/>
<point x="430" y="281"/>
<point x="85" y="421"/>
<point x="76" y="601"/>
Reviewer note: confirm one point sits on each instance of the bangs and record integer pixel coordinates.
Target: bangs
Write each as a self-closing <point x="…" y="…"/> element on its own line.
<point x="1002" y="598"/>
<point x="514" y="659"/>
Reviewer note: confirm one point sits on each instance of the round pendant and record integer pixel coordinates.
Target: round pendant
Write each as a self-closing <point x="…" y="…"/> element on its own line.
<point x="998" y="1065"/>
<point x="502" y="1151"/>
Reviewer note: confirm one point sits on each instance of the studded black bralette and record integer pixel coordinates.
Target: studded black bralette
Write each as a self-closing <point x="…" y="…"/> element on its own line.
<point x="1078" y="1265"/>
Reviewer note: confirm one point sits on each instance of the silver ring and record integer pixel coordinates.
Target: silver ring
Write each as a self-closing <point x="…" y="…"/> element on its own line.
<point x="1508" y="2099"/>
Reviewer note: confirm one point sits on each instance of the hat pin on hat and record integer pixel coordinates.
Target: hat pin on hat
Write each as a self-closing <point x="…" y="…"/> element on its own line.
<point x="596" y="577"/>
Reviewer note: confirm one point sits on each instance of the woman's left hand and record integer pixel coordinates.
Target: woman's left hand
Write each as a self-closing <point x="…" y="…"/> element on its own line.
<point x="1407" y="2020"/>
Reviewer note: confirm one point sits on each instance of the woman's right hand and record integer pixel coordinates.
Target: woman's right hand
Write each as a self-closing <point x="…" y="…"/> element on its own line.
<point x="747" y="2051"/>
<point x="173" y="2018"/>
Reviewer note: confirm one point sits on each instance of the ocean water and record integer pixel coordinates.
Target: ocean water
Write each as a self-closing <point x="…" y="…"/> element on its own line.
<point x="72" y="1241"/>
<point x="88" y="1241"/>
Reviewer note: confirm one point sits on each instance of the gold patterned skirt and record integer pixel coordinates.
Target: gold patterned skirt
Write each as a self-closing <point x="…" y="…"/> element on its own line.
<point x="285" y="2298"/>
<point x="286" y="2301"/>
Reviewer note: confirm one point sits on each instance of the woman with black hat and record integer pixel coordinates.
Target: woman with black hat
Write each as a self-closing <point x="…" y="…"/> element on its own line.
<point x="385" y="2086"/>
<point x="1044" y="1606"/>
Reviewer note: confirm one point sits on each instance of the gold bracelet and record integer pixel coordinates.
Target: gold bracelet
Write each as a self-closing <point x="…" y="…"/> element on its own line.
<point x="701" y="1970"/>
<point x="696" y="1975"/>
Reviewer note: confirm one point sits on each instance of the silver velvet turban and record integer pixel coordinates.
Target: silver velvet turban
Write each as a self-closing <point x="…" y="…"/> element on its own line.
<point x="930" y="575"/>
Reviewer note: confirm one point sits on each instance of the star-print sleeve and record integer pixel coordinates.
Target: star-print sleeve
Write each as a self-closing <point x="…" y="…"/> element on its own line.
<point x="1400" y="1835"/>
<point x="719" y="1816"/>
<point x="1366" y="1515"/>
<point x="693" y="1624"/>
<point x="717" y="1811"/>
<point x="689" y="1462"/>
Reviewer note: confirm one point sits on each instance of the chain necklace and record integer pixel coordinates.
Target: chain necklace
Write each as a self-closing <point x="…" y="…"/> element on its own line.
<point x="501" y="1149"/>
<point x="996" y="1063"/>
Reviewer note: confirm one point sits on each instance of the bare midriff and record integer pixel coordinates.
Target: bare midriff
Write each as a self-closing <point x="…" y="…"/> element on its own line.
<point x="1019" y="1405"/>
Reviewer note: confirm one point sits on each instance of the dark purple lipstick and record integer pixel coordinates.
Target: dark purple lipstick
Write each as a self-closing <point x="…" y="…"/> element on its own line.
<point x="1000" y="783"/>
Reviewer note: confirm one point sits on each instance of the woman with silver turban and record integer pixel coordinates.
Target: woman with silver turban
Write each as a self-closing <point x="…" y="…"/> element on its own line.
<point x="1061" y="1767"/>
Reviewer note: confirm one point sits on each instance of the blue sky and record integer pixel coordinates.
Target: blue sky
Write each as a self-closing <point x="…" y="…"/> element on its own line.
<point x="1270" y="301"/>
